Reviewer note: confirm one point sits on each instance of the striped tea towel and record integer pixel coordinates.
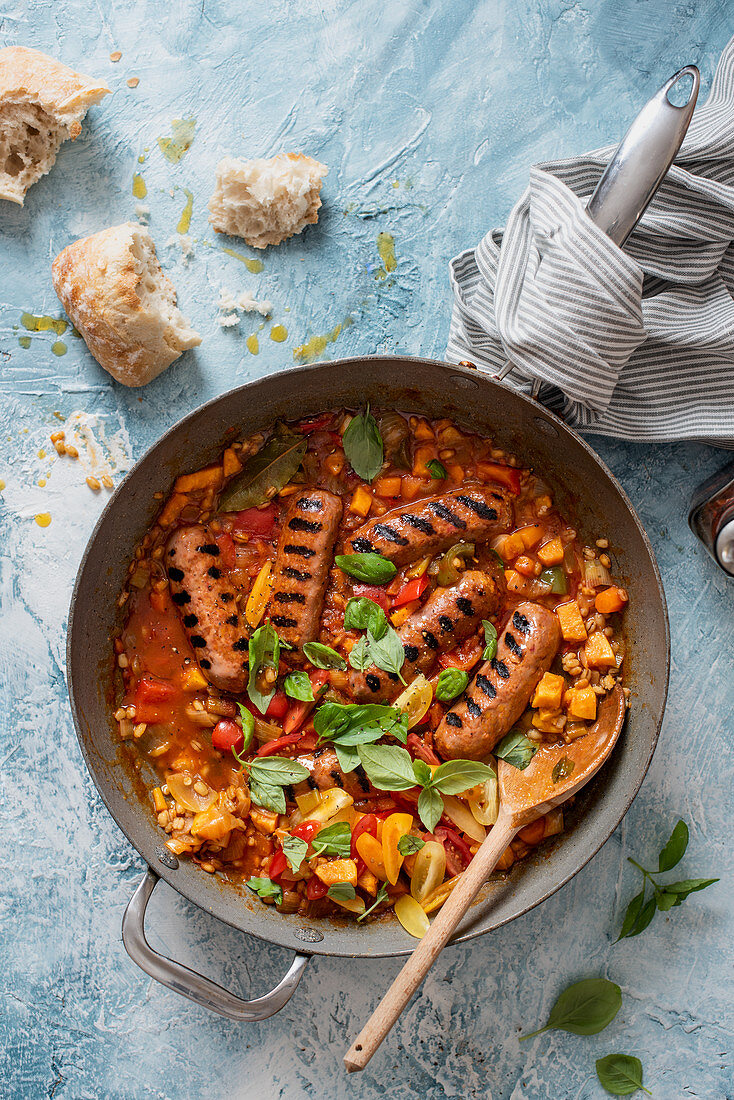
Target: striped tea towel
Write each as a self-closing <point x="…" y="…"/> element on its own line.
<point x="639" y="343"/>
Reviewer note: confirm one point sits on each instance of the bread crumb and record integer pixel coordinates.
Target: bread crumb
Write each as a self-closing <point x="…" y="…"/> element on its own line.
<point x="230" y="306"/>
<point x="133" y="81"/>
<point x="115" y="55"/>
<point x="143" y="212"/>
<point x="185" y="243"/>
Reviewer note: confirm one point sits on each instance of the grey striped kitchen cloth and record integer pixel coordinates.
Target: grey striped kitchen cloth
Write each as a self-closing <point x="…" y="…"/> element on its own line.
<point x="639" y="343"/>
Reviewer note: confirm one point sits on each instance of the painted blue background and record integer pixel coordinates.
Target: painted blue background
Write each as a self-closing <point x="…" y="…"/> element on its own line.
<point x="428" y="116"/>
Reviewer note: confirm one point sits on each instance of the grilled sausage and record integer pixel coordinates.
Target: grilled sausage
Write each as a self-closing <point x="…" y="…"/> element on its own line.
<point x="302" y="565"/>
<point x="503" y="686"/>
<point x="448" y="616"/>
<point x="207" y="604"/>
<point x="473" y="514"/>
<point x="326" y="773"/>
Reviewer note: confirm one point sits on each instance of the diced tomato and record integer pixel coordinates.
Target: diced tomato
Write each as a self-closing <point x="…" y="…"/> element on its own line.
<point x="307" y="830"/>
<point x="309" y="740"/>
<point x="299" y="710"/>
<point x="278" y="865"/>
<point x="257" y="521"/>
<point x="449" y="836"/>
<point x="315" y="888"/>
<point x="372" y="592"/>
<point x="227" y="735"/>
<point x="464" y="656"/>
<point x="271" y="748"/>
<point x="416" y="746"/>
<point x="413" y="590"/>
<point x="278" y="706"/>
<point x="504" y="475"/>
<point x="150" y="690"/>
<point x="316" y="424"/>
<point x="227" y="554"/>
<point x="366" y="824"/>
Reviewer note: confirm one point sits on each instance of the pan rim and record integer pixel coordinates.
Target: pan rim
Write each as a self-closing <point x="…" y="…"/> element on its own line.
<point x="268" y="934"/>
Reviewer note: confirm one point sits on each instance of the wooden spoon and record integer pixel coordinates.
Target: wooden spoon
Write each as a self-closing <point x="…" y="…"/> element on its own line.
<point x="555" y="773"/>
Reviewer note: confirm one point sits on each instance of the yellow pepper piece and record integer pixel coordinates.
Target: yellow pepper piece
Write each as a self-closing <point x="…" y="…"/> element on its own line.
<point x="439" y="895"/>
<point x="354" y="905"/>
<point x="338" y="870"/>
<point x="159" y="801"/>
<point x="419" y="568"/>
<point x="370" y="851"/>
<point x="412" y="916"/>
<point x="395" y="826"/>
<point x="398" y="617"/>
<point x="193" y="680"/>
<point x="258" y="599"/>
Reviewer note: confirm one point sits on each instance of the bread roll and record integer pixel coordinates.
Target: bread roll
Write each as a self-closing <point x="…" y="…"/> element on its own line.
<point x="113" y="289"/>
<point x="266" y="201"/>
<point x="42" y="103"/>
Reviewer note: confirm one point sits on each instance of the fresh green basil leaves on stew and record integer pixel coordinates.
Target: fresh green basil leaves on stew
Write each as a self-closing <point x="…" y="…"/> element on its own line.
<point x="387" y="652"/>
<point x="294" y="850"/>
<point x="408" y="845"/>
<point x="362" y="613"/>
<point x="381" y="895"/>
<point x="584" y="1008"/>
<point x="490" y="640"/>
<point x="248" y="730"/>
<point x="436" y="469"/>
<point x="362" y="444"/>
<point x="264" y="653"/>
<point x="266" y="472"/>
<point x="334" y="840"/>
<point x="268" y="775"/>
<point x="359" y="723"/>
<point x="323" y="656"/>
<point x="368" y="568"/>
<point x="266" y="888"/>
<point x="451" y="683"/>
<point x="298" y="686"/>
<point x="342" y="891"/>
<point x="359" y="655"/>
<point x="516" y="749"/>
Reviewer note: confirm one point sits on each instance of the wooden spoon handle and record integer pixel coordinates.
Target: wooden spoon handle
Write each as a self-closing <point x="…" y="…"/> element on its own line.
<point x="422" y="959"/>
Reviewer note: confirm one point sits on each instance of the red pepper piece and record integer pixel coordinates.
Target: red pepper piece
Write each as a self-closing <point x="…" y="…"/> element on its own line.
<point x="504" y="475"/>
<point x="372" y="592"/>
<point x="227" y="735"/>
<point x="413" y="590"/>
<point x="278" y="865"/>
<point x="315" y="424"/>
<point x="315" y="888"/>
<point x="153" y="699"/>
<point x="227" y="553"/>
<point x="271" y="748"/>
<point x="257" y="521"/>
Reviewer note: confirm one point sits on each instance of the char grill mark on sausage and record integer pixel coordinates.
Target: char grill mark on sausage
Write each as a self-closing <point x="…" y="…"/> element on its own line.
<point x="302" y="569"/>
<point x="475" y="514"/>
<point x="326" y="774"/>
<point x="503" y="686"/>
<point x="435" y="628"/>
<point x="203" y="593"/>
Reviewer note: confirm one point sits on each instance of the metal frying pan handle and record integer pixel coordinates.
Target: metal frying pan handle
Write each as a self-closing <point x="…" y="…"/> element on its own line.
<point x="642" y="159"/>
<point x="203" y="991"/>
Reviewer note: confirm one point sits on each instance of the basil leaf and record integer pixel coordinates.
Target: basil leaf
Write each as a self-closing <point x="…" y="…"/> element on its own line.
<point x="584" y="1008"/>
<point x="387" y="652"/>
<point x="422" y="773"/>
<point x="451" y="683"/>
<point x="408" y="844"/>
<point x="339" y="721"/>
<point x="277" y="771"/>
<point x="665" y="901"/>
<point x="490" y="640"/>
<point x="268" y="796"/>
<point x="562" y="769"/>
<point x="266" y="888"/>
<point x="248" y="730"/>
<point x="264" y="652"/>
<point x="674" y="850"/>
<point x="361" y="613"/>
<point x="516" y="749"/>
<point x="631" y="916"/>
<point x="333" y="840"/>
<point x="388" y="767"/>
<point x="436" y="469"/>
<point x="323" y="656"/>
<point x="620" y="1074"/>
<point x="266" y="472"/>
<point x="347" y="756"/>
<point x="647" y="912"/>
<point x="342" y="891"/>
<point x="362" y="444"/>
<point x="689" y="886"/>
<point x="294" y="850"/>
<point x="298" y="686"/>
<point x="370" y="568"/>
<point x="457" y="776"/>
<point x="381" y="895"/>
<point x="360" y="656"/>
<point x="430" y="807"/>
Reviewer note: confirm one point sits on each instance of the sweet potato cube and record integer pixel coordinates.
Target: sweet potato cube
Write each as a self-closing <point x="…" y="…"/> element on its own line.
<point x="551" y="553"/>
<point x="599" y="653"/>
<point x="423" y="455"/>
<point x="572" y="625"/>
<point x="265" y="821"/>
<point x="230" y="462"/>
<point x="361" y="501"/>
<point x="582" y="703"/>
<point x="549" y="692"/>
<point x="549" y="721"/>
<point x="509" y="546"/>
<point x="531" y="535"/>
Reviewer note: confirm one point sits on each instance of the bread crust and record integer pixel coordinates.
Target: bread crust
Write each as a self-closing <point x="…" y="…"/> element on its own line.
<point x="124" y="308"/>
<point x="66" y="95"/>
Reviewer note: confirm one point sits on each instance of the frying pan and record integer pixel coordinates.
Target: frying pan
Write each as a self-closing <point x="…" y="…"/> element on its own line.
<point x="585" y="490"/>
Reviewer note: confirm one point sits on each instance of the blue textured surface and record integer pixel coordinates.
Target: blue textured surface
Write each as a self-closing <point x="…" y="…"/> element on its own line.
<point x="428" y="115"/>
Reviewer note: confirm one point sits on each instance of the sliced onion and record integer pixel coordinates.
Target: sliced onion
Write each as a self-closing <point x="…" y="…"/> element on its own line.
<point x="596" y="574"/>
<point x="461" y="815"/>
<point x="266" y="731"/>
<point x="186" y="796"/>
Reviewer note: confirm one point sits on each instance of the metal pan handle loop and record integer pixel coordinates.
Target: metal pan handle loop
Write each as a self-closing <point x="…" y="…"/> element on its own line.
<point x="203" y="991"/>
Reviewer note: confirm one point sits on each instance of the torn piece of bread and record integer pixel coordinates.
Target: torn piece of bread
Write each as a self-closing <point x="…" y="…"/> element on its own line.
<point x="42" y="103"/>
<point x="113" y="289"/>
<point x="266" y="201"/>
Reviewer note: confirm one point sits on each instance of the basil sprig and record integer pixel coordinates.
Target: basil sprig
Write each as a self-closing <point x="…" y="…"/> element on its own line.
<point x="584" y="1008"/>
<point x="298" y="686"/>
<point x="248" y="732"/>
<point x="436" y="469"/>
<point x="294" y="850"/>
<point x="334" y="840"/>
<point x="386" y="652"/>
<point x="323" y="656"/>
<point x="369" y="568"/>
<point x="350" y="724"/>
<point x="408" y="844"/>
<point x="391" y="768"/>
<point x="451" y="683"/>
<point x="362" y="444"/>
<point x="490" y="640"/>
<point x="266" y="888"/>
<point x="361" y="613"/>
<point x="516" y="749"/>
<point x="268" y="776"/>
<point x="342" y="891"/>
<point x="264" y="652"/>
<point x="620" y="1074"/>
<point x="381" y="895"/>
<point x="665" y="896"/>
